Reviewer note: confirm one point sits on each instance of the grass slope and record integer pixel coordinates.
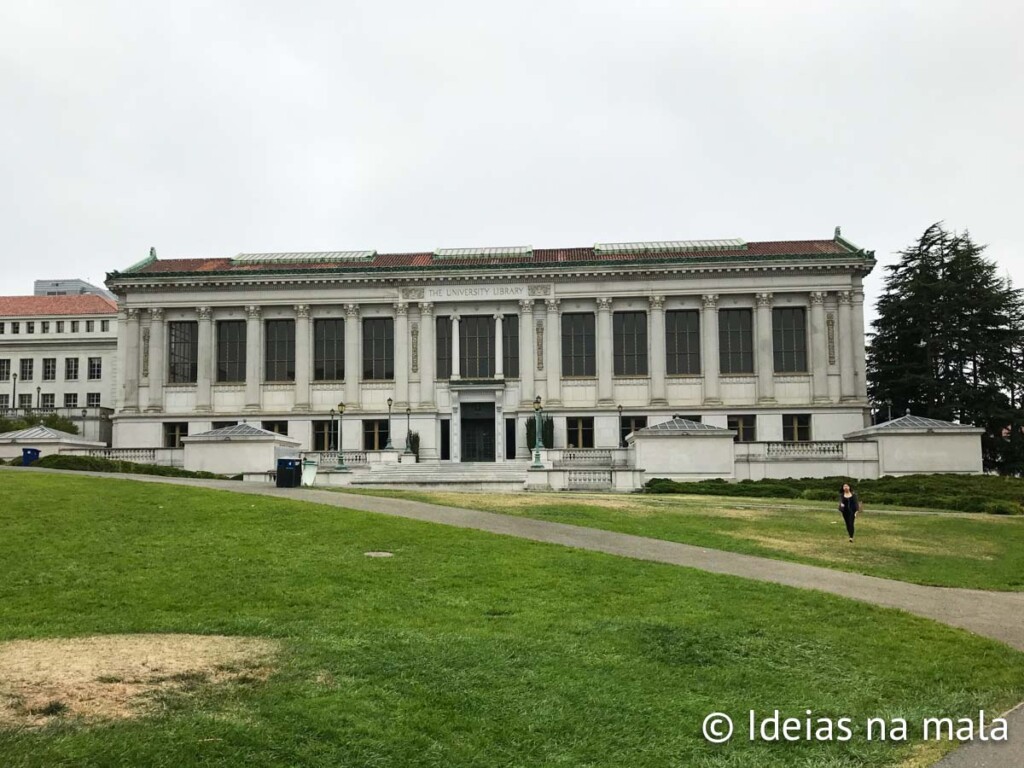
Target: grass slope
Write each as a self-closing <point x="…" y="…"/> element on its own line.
<point x="949" y="550"/>
<point x="465" y="649"/>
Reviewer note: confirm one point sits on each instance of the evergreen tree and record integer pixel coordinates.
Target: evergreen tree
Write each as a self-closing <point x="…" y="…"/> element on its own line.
<point x="947" y="342"/>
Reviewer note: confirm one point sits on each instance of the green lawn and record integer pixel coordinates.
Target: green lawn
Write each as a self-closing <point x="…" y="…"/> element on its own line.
<point x="946" y="549"/>
<point x="465" y="649"/>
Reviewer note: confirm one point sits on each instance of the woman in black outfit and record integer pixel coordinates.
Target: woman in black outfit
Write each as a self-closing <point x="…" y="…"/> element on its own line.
<point x="849" y="506"/>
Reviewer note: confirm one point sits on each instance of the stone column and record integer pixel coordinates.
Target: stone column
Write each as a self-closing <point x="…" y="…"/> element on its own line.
<point x="819" y="350"/>
<point x="456" y="349"/>
<point x="131" y="361"/>
<point x="204" y="354"/>
<point x="253" y="357"/>
<point x="402" y="358"/>
<point x="157" y="366"/>
<point x="527" y="357"/>
<point x="499" y="348"/>
<point x="657" y="350"/>
<point x="303" y="356"/>
<point x="352" y="361"/>
<point x="552" y="361"/>
<point x="605" y="347"/>
<point x="860" y="368"/>
<point x="765" y="349"/>
<point x="846" y="343"/>
<point x="428" y="355"/>
<point x="710" y="364"/>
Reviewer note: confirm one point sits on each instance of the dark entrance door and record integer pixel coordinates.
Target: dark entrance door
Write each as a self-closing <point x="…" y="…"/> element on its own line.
<point x="478" y="432"/>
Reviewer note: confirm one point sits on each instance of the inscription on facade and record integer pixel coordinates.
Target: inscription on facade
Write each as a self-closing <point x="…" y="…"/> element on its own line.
<point x="540" y="345"/>
<point x="473" y="292"/>
<point x="415" y="352"/>
<point x="830" y="324"/>
<point x="145" y="352"/>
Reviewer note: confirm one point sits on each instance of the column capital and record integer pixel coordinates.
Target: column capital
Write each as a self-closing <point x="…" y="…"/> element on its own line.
<point x="552" y="304"/>
<point x="657" y="302"/>
<point x="204" y="313"/>
<point x="604" y="304"/>
<point x="858" y="297"/>
<point x="845" y="297"/>
<point x="132" y="313"/>
<point x="818" y="297"/>
<point x="401" y="309"/>
<point x="499" y="316"/>
<point x="156" y="313"/>
<point x="763" y="299"/>
<point x="526" y="305"/>
<point x="352" y="311"/>
<point x="426" y="308"/>
<point x="710" y="300"/>
<point x="253" y="312"/>
<point x="302" y="310"/>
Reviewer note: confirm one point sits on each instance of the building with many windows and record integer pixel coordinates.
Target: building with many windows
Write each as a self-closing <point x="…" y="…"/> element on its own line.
<point x="58" y="354"/>
<point x="765" y="339"/>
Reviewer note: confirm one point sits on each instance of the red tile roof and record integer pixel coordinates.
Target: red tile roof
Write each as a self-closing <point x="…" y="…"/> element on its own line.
<point x="539" y="257"/>
<point x="34" y="306"/>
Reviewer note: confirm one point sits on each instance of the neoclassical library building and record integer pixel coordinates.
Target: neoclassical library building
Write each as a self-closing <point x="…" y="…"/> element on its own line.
<point x="460" y="346"/>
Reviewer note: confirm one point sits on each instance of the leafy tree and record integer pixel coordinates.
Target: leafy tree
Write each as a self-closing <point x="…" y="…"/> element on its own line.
<point x="944" y="341"/>
<point x="51" y="420"/>
<point x="547" y="432"/>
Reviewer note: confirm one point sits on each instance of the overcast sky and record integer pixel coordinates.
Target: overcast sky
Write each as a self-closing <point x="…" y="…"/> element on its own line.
<point x="212" y="128"/>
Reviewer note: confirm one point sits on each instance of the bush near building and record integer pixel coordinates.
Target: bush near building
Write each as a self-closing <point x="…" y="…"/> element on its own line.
<point x="960" y="493"/>
<point x="96" y="464"/>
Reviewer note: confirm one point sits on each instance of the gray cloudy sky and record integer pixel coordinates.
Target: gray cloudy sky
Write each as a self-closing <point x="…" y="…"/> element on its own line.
<point x="206" y="129"/>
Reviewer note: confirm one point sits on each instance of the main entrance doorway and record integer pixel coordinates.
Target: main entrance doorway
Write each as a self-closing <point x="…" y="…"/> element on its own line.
<point x="478" y="432"/>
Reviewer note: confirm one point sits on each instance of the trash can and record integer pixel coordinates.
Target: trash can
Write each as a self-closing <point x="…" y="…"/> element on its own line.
<point x="289" y="473"/>
<point x="29" y="455"/>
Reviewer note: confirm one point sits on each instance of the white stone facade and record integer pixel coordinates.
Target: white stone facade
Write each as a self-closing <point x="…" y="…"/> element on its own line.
<point x="823" y="278"/>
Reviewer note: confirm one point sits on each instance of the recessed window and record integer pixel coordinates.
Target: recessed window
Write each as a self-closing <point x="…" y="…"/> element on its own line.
<point x="27" y="367"/>
<point x="277" y="427"/>
<point x="443" y="342"/>
<point x="47" y="401"/>
<point x="476" y="346"/>
<point x="49" y="369"/>
<point x="183" y="352"/>
<point x="95" y="368"/>
<point x="44" y="326"/>
<point x="230" y="350"/>
<point x="60" y="326"/>
<point x="689" y="417"/>
<point x="2" y="327"/>
<point x="735" y="341"/>
<point x="629" y="346"/>
<point x="510" y="348"/>
<point x="789" y="339"/>
<point x="30" y="327"/>
<point x="92" y="399"/>
<point x="796" y="427"/>
<point x="104" y="326"/>
<point x="70" y="399"/>
<point x="375" y="434"/>
<point x="579" y="344"/>
<point x="5" y="370"/>
<point x="25" y="402"/>
<point x="628" y="424"/>
<point x="329" y="349"/>
<point x="224" y="424"/>
<point x="579" y="432"/>
<point x="682" y="342"/>
<point x="173" y="432"/>
<point x="378" y="349"/>
<point x="5" y="401"/>
<point x="74" y="326"/>
<point x="745" y="427"/>
<point x="71" y="368"/>
<point x="15" y="327"/>
<point x="325" y="435"/>
<point x="90" y="326"/>
<point x="280" y="350"/>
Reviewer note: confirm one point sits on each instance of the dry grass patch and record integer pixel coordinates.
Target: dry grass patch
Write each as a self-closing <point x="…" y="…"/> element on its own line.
<point x="110" y="677"/>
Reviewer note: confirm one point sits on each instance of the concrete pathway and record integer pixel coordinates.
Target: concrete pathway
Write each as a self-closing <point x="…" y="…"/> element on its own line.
<point x="997" y="615"/>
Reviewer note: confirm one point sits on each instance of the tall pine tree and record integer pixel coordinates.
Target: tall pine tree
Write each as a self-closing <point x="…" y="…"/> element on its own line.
<point x="944" y="342"/>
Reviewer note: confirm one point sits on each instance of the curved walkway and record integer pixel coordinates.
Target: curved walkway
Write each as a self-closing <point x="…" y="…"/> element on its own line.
<point x="997" y="615"/>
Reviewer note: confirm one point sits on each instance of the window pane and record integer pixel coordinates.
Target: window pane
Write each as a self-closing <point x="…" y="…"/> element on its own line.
<point x="378" y="348"/>
<point x="579" y="431"/>
<point x="629" y="334"/>
<point x="789" y="337"/>
<point x="476" y="346"/>
<point x="231" y="350"/>
<point x="375" y="434"/>
<point x="736" y="341"/>
<point x="329" y="350"/>
<point x="510" y="346"/>
<point x="183" y="352"/>
<point x="682" y="342"/>
<point x="578" y="344"/>
<point x="280" y="350"/>
<point x="745" y="427"/>
<point x="443" y="339"/>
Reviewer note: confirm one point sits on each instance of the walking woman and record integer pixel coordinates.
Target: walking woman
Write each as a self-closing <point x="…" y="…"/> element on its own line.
<point x="849" y="505"/>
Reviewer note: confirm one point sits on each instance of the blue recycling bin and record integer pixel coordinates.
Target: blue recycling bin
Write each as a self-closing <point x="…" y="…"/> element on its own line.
<point x="29" y="455"/>
<point x="289" y="473"/>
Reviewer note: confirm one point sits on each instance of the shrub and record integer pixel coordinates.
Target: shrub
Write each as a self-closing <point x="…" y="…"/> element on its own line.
<point x="96" y="464"/>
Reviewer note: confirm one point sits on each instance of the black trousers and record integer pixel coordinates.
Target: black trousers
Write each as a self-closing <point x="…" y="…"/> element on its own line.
<point x="849" y="516"/>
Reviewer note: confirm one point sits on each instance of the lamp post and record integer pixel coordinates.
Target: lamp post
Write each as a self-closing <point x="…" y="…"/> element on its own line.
<point x="537" y="441"/>
<point x="389" y="446"/>
<point x="622" y="435"/>
<point x="14" y="390"/>
<point x="330" y="435"/>
<point x="39" y="396"/>
<point x="408" y="431"/>
<point x="340" y="464"/>
<point x="85" y="413"/>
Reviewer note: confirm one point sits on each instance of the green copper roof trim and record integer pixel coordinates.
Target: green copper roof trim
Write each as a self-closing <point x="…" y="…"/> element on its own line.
<point x="868" y="256"/>
<point x="144" y="262"/>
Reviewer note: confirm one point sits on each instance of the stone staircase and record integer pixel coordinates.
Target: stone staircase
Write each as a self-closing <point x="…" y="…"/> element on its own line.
<point x="500" y="476"/>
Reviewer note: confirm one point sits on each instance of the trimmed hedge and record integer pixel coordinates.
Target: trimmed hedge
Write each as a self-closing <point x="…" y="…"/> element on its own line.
<point x="96" y="464"/>
<point x="990" y="494"/>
